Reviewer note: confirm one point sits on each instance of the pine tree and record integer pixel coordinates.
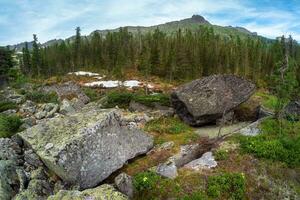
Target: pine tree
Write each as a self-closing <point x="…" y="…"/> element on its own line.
<point x="26" y="58"/>
<point x="36" y="57"/>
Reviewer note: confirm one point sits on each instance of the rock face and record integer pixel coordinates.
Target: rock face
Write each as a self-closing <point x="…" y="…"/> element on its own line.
<point x="103" y="192"/>
<point x="86" y="147"/>
<point x="11" y="175"/>
<point x="204" y="100"/>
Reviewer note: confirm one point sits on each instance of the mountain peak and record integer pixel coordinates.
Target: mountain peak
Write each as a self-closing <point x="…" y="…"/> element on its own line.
<point x="199" y="19"/>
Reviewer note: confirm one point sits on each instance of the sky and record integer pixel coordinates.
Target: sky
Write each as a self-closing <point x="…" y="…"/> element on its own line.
<point x="51" y="19"/>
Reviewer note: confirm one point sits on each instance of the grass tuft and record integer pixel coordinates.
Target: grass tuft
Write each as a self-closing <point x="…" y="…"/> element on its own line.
<point x="6" y="105"/>
<point x="41" y="97"/>
<point x="169" y="125"/>
<point x="9" y="125"/>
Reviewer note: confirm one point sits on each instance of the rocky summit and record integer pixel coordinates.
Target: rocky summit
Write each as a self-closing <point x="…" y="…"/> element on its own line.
<point x="205" y="100"/>
<point x="86" y="147"/>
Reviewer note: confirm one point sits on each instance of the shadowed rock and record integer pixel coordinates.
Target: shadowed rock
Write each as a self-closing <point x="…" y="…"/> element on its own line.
<point x="204" y="100"/>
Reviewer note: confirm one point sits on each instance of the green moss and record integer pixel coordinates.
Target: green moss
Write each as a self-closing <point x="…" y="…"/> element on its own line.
<point x="169" y="125"/>
<point x="268" y="100"/>
<point x="274" y="144"/>
<point x="5" y="105"/>
<point x="41" y="97"/>
<point x="9" y="125"/>
<point x="227" y="186"/>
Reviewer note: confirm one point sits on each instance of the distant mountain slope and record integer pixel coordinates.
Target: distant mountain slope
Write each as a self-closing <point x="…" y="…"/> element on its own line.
<point x="193" y="23"/>
<point x="20" y="46"/>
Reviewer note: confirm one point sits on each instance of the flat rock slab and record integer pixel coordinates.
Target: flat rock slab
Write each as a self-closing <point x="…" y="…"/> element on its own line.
<point x="203" y="101"/>
<point x="252" y="129"/>
<point x="206" y="161"/>
<point x="85" y="148"/>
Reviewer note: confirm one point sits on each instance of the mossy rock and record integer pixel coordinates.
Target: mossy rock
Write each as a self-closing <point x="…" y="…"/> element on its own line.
<point x="102" y="192"/>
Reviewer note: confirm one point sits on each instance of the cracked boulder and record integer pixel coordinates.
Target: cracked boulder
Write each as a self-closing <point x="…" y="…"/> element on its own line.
<point x="203" y="101"/>
<point x="86" y="147"/>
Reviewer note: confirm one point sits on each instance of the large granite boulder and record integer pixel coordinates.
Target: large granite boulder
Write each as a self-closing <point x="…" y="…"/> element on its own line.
<point x="204" y="100"/>
<point x="86" y="147"/>
<point x="103" y="192"/>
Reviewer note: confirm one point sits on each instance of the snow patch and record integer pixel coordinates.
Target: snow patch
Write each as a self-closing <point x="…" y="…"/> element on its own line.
<point x="131" y="83"/>
<point x="113" y="84"/>
<point x="104" y="84"/>
<point x="83" y="73"/>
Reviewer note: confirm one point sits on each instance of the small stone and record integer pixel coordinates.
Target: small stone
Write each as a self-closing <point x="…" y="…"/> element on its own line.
<point x="124" y="184"/>
<point x="168" y="170"/>
<point x="252" y="129"/>
<point x="40" y="115"/>
<point x="32" y="159"/>
<point x="49" y="146"/>
<point x="9" y="112"/>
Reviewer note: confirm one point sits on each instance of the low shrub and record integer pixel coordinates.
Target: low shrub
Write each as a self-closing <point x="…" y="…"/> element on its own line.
<point x="120" y="99"/>
<point x="123" y="98"/>
<point x="169" y="125"/>
<point x="92" y="94"/>
<point x="145" y="180"/>
<point x="227" y="186"/>
<point x="195" y="196"/>
<point x="41" y="97"/>
<point x="6" y="105"/>
<point x="273" y="144"/>
<point x="221" y="155"/>
<point x="9" y="125"/>
<point x="150" y="100"/>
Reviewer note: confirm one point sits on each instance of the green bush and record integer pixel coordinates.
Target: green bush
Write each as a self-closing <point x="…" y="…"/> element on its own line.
<point x="6" y="105"/>
<point x="123" y="98"/>
<point x="150" y="100"/>
<point x="120" y="99"/>
<point x="145" y="180"/>
<point x="9" y="125"/>
<point x="169" y="125"/>
<point x="92" y="94"/>
<point x="227" y="186"/>
<point x="41" y="97"/>
<point x="271" y="144"/>
<point x="221" y="155"/>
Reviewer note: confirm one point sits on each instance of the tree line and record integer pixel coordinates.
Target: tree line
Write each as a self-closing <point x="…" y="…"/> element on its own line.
<point x="183" y="55"/>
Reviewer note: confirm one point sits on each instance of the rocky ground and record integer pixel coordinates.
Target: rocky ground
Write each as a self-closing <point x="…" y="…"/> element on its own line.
<point x="78" y="143"/>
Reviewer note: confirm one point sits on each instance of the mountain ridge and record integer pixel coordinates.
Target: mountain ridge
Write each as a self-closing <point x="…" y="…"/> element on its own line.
<point x="192" y="23"/>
